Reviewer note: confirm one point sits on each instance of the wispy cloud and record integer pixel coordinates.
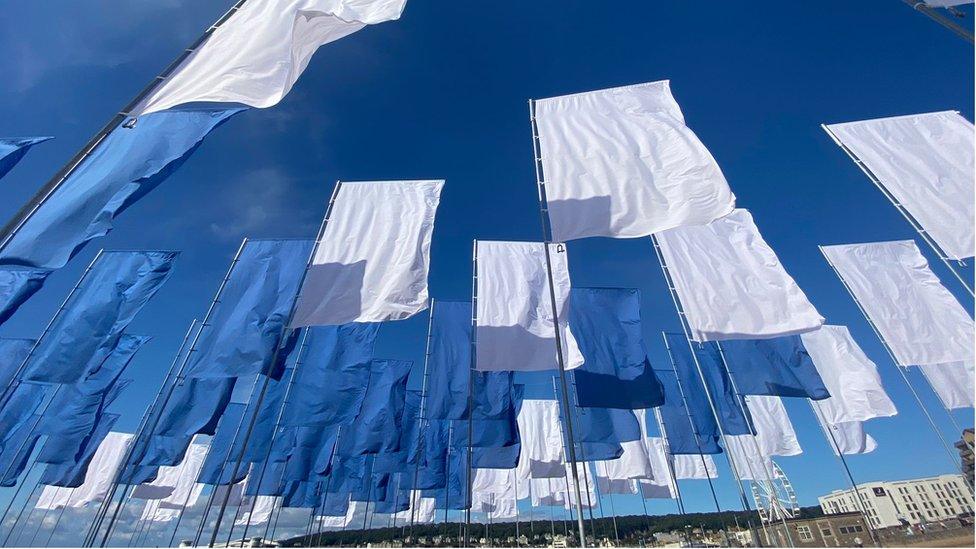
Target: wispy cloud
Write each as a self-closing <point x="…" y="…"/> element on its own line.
<point x="265" y="202"/>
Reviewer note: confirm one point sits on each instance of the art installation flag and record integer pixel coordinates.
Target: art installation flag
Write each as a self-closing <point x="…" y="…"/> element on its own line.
<point x="18" y="411"/>
<point x="615" y="371"/>
<point x="606" y="425"/>
<point x="13" y="149"/>
<point x="856" y="392"/>
<point x="194" y="408"/>
<point x="259" y="53"/>
<point x="919" y="319"/>
<point x="953" y="382"/>
<point x="421" y="511"/>
<point x="376" y="428"/>
<point x="257" y="512"/>
<point x="695" y="467"/>
<point x="18" y="447"/>
<point x="128" y="164"/>
<point x="542" y="439"/>
<point x="515" y="325"/>
<point x="731" y="284"/>
<point x="774" y="437"/>
<point x="633" y="464"/>
<point x="926" y="163"/>
<point x="16" y="287"/>
<point x="13" y="351"/>
<point x="220" y="447"/>
<point x="97" y="480"/>
<point x="176" y="484"/>
<point x="372" y="258"/>
<point x="779" y="366"/>
<point x="621" y="162"/>
<point x="89" y="326"/>
<point x="848" y="438"/>
<point x="247" y="324"/>
<point x="690" y="425"/>
<point x="661" y="466"/>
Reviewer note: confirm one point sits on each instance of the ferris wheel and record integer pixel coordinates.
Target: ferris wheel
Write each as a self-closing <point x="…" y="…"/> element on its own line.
<point x="775" y="500"/>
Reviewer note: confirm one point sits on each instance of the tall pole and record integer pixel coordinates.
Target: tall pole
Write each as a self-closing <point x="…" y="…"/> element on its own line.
<point x="283" y="336"/>
<point x="933" y="14"/>
<point x="44" y="193"/>
<point x="469" y="481"/>
<point x="422" y="416"/>
<point x="669" y="460"/>
<point x="560" y="359"/>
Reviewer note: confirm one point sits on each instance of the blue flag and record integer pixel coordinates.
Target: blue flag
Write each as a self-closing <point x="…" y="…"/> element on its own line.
<point x="688" y="421"/>
<point x="12" y="149"/>
<point x="246" y="327"/>
<point x="72" y="475"/>
<point x="16" y="287"/>
<point x="491" y="433"/>
<point x="330" y="385"/>
<point x="194" y="407"/>
<point x="599" y="451"/>
<point x="606" y="425"/>
<point x="65" y="440"/>
<point x="392" y="462"/>
<point x="267" y="419"/>
<point x="17" y="451"/>
<point x="19" y="409"/>
<point x="311" y="454"/>
<point x="123" y="168"/>
<point x="230" y="427"/>
<point x="615" y="371"/>
<point x="12" y="354"/>
<point x="775" y="367"/>
<point x="376" y="428"/>
<point x="87" y="330"/>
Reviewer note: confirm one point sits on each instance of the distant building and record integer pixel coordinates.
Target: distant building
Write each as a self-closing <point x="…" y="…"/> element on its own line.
<point x="904" y="502"/>
<point x="837" y="530"/>
<point x="966" y="453"/>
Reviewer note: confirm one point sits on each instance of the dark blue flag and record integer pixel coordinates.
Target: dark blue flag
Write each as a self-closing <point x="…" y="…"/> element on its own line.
<point x="245" y="329"/>
<point x="331" y="383"/>
<point x="606" y="425"/>
<point x="230" y="427"/>
<point x="392" y="462"/>
<point x="16" y="287"/>
<point x="87" y="330"/>
<point x="72" y="475"/>
<point x="376" y="428"/>
<point x="12" y="354"/>
<point x="12" y="149"/>
<point x="312" y="453"/>
<point x="123" y="168"/>
<point x="689" y="429"/>
<point x="775" y="367"/>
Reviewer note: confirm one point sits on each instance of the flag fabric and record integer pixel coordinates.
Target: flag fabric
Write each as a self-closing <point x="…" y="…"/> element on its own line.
<point x="752" y="454"/>
<point x="926" y="163"/>
<point x="633" y="464"/>
<point x="128" y="164"/>
<point x="953" y="382"/>
<point x="16" y="287"/>
<point x="615" y="371"/>
<point x="660" y="464"/>
<point x="848" y="437"/>
<point x="856" y="392"/>
<point x="247" y="325"/>
<point x="19" y="409"/>
<point x="98" y="478"/>
<point x="17" y="449"/>
<point x="606" y="425"/>
<point x="515" y="326"/>
<point x="695" y="467"/>
<point x="621" y="162"/>
<point x="377" y="426"/>
<point x="421" y="510"/>
<point x="259" y="53"/>
<point x="194" y="408"/>
<point x="921" y="322"/>
<point x="13" y="149"/>
<point x="213" y="471"/>
<point x="258" y="512"/>
<point x="731" y="284"/>
<point x="689" y="424"/>
<point x="13" y="351"/>
<point x="176" y="484"/>
<point x="372" y="258"/>
<point x="775" y="367"/>
<point x="97" y="463"/>
<point x="542" y="439"/>
<point x="88" y="328"/>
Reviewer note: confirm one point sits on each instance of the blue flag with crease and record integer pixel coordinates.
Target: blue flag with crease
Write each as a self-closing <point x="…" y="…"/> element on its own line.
<point x="779" y="366"/>
<point x="246" y="326"/>
<point x="16" y="287"/>
<point x="67" y="442"/>
<point x="13" y="351"/>
<point x="376" y="429"/>
<point x="194" y="408"/>
<point x="72" y="475"/>
<point x="89" y="326"/>
<point x="13" y="149"/>
<point x="19" y="409"/>
<point x="17" y="451"/>
<point x="124" y="167"/>
<point x="616" y="372"/>
<point x="229" y="427"/>
<point x="689" y="429"/>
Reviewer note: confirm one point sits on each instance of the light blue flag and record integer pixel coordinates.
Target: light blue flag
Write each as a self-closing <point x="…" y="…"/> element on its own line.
<point x="23" y="402"/>
<point x="17" y="451"/>
<point x="229" y="428"/>
<point x="127" y="165"/>
<point x="87" y="330"/>
<point x="246" y="327"/>
<point x="688" y="422"/>
<point x="376" y="429"/>
<point x="12" y="149"/>
<point x="72" y="475"/>
<point x="16" y="287"/>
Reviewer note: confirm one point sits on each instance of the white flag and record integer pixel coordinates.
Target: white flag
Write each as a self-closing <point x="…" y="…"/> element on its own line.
<point x="495" y="482"/>
<point x="264" y="506"/>
<point x="104" y="464"/>
<point x="731" y="284"/>
<point x="371" y="262"/>
<point x="260" y="52"/>
<point x="178" y="484"/>
<point x="621" y="163"/>
<point x="926" y="162"/>
<point x="515" y="328"/>
<point x="354" y="514"/>
<point x="633" y="463"/>
<point x="155" y="512"/>
<point x="917" y="317"/>
<point x="425" y="509"/>
<point x="856" y="393"/>
<point x="953" y="382"/>
<point x="774" y="436"/>
<point x="848" y="437"/>
<point x="694" y="467"/>
<point x="541" y="455"/>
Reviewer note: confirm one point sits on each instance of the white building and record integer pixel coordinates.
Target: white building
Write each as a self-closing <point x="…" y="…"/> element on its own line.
<point x="913" y="501"/>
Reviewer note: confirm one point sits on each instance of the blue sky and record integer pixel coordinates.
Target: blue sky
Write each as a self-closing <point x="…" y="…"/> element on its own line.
<point x="443" y="93"/>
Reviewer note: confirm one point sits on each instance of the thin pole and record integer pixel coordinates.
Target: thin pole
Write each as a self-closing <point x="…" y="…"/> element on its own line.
<point x="44" y="193"/>
<point x="547" y="238"/>
<point x="897" y="204"/>
<point x="921" y="7"/>
<point x="283" y="336"/>
<point x="40" y="525"/>
<point x="20" y="514"/>
<point x="669" y="460"/>
<point x="586" y="480"/>
<point x="884" y="343"/>
<point x="422" y="416"/>
<point x="613" y="509"/>
<point x="57" y="522"/>
<point x="469" y="483"/>
<point x="20" y="486"/>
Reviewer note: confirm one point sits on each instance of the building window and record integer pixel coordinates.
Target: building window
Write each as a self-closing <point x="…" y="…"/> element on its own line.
<point x="805" y="533"/>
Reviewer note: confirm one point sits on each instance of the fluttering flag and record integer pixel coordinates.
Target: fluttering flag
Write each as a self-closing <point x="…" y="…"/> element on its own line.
<point x="260" y="52"/>
<point x="177" y="484"/>
<point x="621" y="162"/>
<point x="542" y="439"/>
<point x="752" y="454"/>
<point x="774" y="367"/>
<point x="213" y="471"/>
<point x="13" y="149"/>
<point x="258" y="512"/>
<point x="921" y="322"/>
<point x="72" y="472"/>
<point x="247" y="325"/>
<point x="633" y="464"/>
<point x="605" y="425"/>
<point x="688" y="420"/>
<point x="16" y="287"/>
<point x="372" y="258"/>
<point x="376" y="428"/>
<point x="848" y="437"/>
<point x="194" y="408"/>
<point x="128" y="164"/>
<point x="89" y="326"/>
<point x="731" y="284"/>
<point x="615" y="372"/>
<point x="926" y="163"/>
<point x="420" y="511"/>
<point x="13" y="351"/>
<point x="515" y="326"/>
<point x="330" y="385"/>
<point x="695" y="467"/>
<point x="954" y="382"/>
<point x="97" y="480"/>
<point x="19" y="409"/>
<point x="661" y="482"/>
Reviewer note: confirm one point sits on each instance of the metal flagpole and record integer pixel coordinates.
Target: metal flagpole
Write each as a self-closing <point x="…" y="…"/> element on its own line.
<point x="286" y="327"/>
<point x="586" y="485"/>
<point x="918" y="399"/>
<point x="447" y="472"/>
<point x="20" y="486"/>
<point x="669" y="460"/>
<point x="850" y="477"/>
<point x="586" y="477"/>
<point x="560" y="359"/>
<point x="613" y="509"/>
<point x="40" y="525"/>
<point x="20" y="514"/>
<point x="422" y="416"/>
<point x="44" y="193"/>
<point x="901" y="209"/>
<point x="932" y="13"/>
<point x="469" y="482"/>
